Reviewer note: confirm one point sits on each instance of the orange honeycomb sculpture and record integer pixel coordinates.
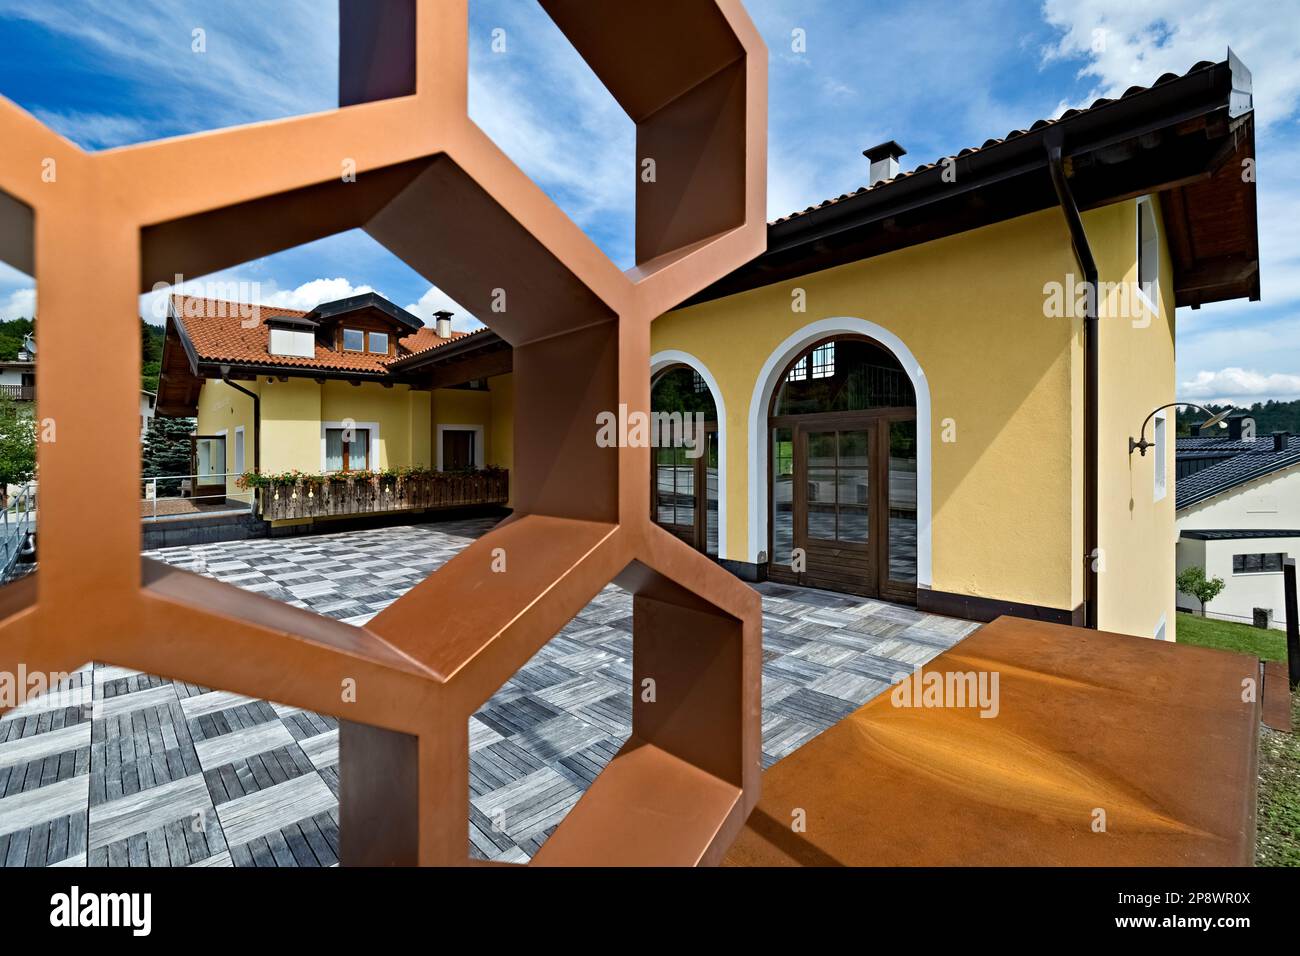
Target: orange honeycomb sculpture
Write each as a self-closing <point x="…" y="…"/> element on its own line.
<point x="98" y="229"/>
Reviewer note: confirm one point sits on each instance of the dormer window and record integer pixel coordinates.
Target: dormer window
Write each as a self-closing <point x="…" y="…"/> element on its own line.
<point x="379" y="343"/>
<point x="291" y="336"/>
<point x="354" y="340"/>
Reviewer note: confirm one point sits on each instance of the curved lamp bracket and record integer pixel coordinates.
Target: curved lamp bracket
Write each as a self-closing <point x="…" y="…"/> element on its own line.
<point x="1141" y="444"/>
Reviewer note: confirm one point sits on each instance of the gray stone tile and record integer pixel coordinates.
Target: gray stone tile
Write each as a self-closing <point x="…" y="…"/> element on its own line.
<point x="536" y="745"/>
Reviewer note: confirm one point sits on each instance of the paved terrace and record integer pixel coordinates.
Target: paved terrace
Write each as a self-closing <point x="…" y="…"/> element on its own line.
<point x="121" y="768"/>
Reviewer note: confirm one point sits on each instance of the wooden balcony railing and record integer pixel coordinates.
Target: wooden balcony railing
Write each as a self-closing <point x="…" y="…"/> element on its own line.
<point x="19" y="393"/>
<point x="336" y="495"/>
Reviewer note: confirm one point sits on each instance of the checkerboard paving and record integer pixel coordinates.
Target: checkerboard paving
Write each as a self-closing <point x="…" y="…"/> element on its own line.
<point x="120" y="768"/>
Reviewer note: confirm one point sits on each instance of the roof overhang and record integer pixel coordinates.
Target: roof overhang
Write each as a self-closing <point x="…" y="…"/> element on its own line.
<point x="178" y="377"/>
<point x="1184" y="138"/>
<point x="478" y="355"/>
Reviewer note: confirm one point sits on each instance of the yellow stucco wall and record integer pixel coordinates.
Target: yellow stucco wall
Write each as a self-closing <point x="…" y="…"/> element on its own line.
<point x="1137" y="533"/>
<point x="224" y="409"/>
<point x="501" y="431"/>
<point x="419" y="411"/>
<point x="406" y="419"/>
<point x="1007" y="493"/>
<point x="969" y="308"/>
<point x="291" y="415"/>
<point x="373" y="406"/>
<point x="462" y="406"/>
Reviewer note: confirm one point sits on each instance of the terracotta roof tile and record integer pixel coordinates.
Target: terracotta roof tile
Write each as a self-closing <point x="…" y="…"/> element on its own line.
<point x="222" y="331"/>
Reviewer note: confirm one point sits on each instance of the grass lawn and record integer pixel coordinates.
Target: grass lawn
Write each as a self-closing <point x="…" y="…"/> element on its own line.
<point x="1278" y="817"/>
<point x="1267" y="645"/>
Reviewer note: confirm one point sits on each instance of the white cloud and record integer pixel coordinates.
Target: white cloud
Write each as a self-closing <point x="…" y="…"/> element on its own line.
<point x="542" y="105"/>
<point x="99" y="130"/>
<point x="435" y="300"/>
<point x="1140" y="41"/>
<point x="1238" y="384"/>
<point x="311" y="294"/>
<point x="18" y="304"/>
<point x="253" y="67"/>
<point x="234" y="288"/>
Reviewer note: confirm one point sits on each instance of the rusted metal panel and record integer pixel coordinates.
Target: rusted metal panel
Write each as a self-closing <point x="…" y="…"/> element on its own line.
<point x="1106" y="750"/>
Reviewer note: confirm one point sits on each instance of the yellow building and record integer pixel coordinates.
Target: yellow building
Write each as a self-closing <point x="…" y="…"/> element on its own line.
<point x="357" y="386"/>
<point x="924" y="391"/>
<point x="917" y="397"/>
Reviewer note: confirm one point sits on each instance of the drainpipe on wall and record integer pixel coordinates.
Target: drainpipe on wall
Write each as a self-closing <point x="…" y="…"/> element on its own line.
<point x="257" y="418"/>
<point x="1091" y="389"/>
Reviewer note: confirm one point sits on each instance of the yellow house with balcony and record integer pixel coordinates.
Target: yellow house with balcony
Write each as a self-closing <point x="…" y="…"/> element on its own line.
<point x="354" y="388"/>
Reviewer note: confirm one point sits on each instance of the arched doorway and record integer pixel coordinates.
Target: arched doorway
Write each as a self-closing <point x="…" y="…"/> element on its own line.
<point x="842" y="483"/>
<point x="684" y="481"/>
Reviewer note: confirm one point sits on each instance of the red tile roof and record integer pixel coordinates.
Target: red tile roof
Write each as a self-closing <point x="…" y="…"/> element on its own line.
<point x="237" y="332"/>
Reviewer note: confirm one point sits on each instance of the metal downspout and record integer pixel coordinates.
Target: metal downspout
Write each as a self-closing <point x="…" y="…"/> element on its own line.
<point x="1091" y="390"/>
<point x="257" y="422"/>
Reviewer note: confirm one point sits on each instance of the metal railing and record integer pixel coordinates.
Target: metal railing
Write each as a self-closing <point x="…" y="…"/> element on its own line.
<point x="17" y="521"/>
<point x="178" y="490"/>
<point x="19" y="393"/>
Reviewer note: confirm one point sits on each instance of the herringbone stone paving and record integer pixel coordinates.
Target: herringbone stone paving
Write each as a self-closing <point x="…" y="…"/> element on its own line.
<point x="119" y="768"/>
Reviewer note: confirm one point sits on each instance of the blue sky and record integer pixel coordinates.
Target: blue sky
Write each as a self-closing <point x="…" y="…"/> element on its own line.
<point x="934" y="76"/>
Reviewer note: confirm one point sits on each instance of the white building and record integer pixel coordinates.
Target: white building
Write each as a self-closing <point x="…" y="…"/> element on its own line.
<point x="148" y="402"/>
<point x="1238" y="514"/>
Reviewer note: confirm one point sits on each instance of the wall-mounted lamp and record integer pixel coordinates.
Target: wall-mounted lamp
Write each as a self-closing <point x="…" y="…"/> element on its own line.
<point x="1143" y="444"/>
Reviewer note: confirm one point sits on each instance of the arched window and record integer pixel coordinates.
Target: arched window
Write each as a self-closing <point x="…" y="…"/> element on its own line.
<point x="843" y="471"/>
<point x="843" y="375"/>
<point x="684" y="479"/>
<point x="682" y="389"/>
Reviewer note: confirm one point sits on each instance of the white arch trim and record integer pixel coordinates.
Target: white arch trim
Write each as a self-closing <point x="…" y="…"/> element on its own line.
<point x="765" y="386"/>
<point x="669" y="357"/>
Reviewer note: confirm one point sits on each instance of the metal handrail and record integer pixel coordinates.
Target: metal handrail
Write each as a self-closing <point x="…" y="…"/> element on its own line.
<point x="150" y="492"/>
<point x="23" y="507"/>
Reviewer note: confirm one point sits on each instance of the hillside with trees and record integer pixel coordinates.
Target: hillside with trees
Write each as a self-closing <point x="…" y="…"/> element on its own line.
<point x="1269" y="417"/>
<point x="11" y="337"/>
<point x="151" y="341"/>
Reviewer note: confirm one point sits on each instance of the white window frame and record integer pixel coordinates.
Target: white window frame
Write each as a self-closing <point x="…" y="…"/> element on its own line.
<point x="1160" y="462"/>
<point x="480" y="461"/>
<point x="343" y="340"/>
<point x="370" y="348"/>
<point x="239" y="449"/>
<point x="1144" y="205"/>
<point x="1161" y="633"/>
<point x="371" y="427"/>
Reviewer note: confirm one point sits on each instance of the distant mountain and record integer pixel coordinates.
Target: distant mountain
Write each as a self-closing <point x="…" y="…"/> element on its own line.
<point x="1269" y="417"/>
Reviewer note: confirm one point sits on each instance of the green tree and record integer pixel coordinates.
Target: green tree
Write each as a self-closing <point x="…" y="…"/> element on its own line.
<point x="151" y="343"/>
<point x="166" y="452"/>
<point x="1193" y="583"/>
<point x="17" y="445"/>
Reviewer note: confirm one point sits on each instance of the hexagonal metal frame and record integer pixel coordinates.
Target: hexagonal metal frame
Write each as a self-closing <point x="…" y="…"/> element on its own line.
<point x="98" y="229"/>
